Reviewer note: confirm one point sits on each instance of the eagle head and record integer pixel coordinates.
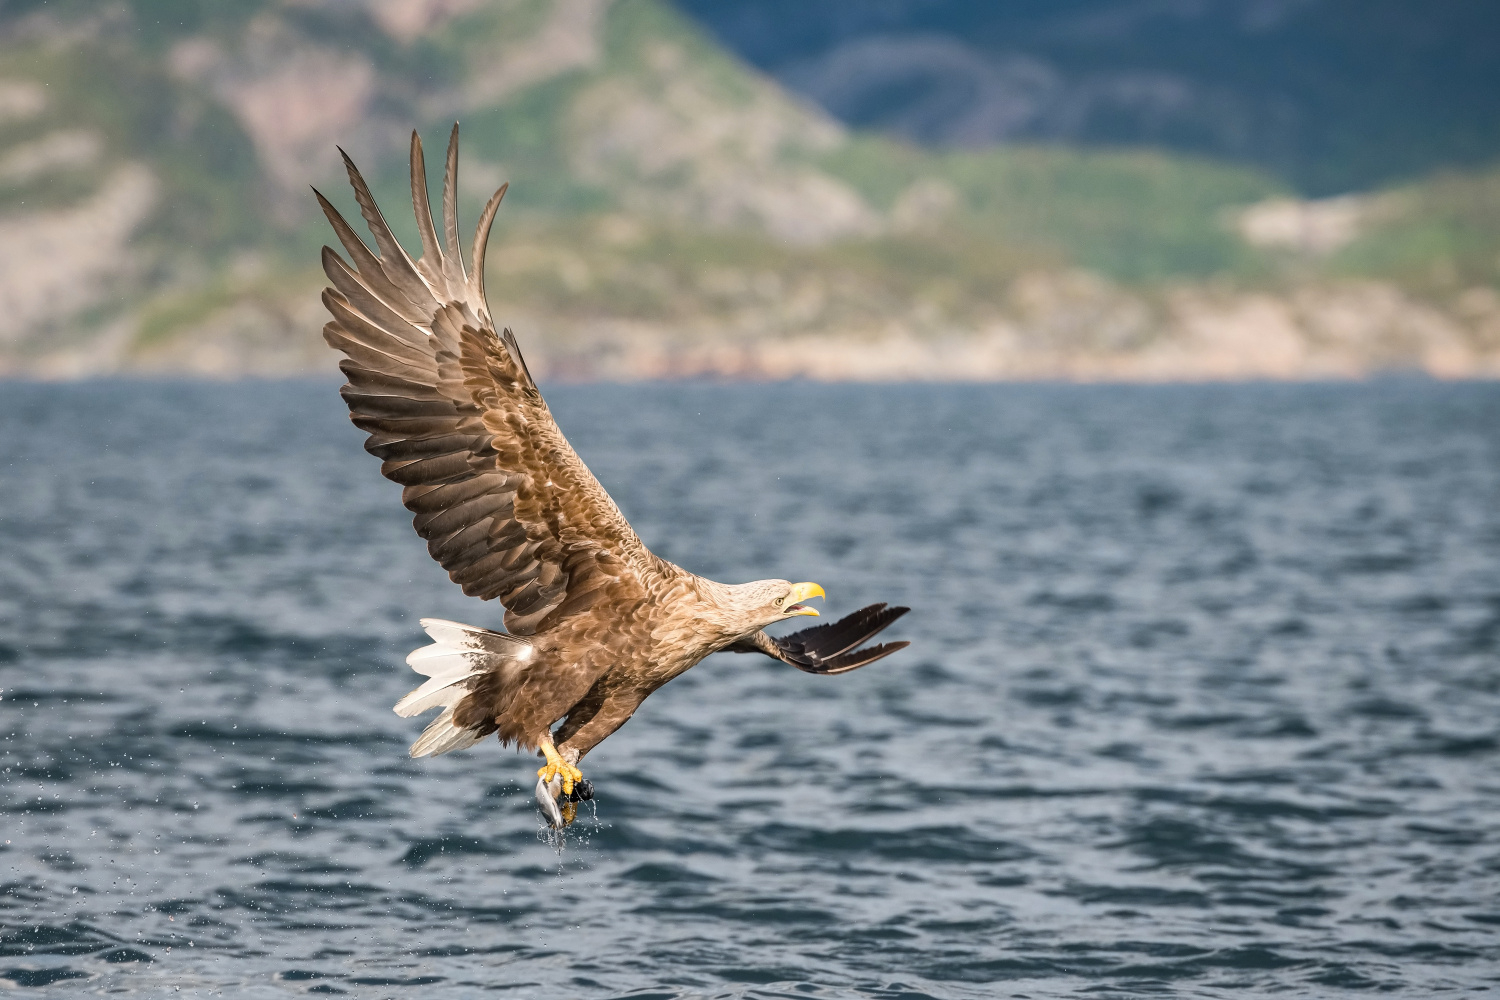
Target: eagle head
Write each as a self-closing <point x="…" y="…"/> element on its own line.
<point x="766" y="601"/>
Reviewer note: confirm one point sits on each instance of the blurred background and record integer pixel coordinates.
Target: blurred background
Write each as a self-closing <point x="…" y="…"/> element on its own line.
<point x="1203" y="696"/>
<point x="936" y="189"/>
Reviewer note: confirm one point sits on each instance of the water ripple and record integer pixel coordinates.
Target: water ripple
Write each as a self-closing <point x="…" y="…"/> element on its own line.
<point x="1202" y="703"/>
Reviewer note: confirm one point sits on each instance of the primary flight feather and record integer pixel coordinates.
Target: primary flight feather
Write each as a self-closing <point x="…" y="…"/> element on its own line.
<point x="594" y="620"/>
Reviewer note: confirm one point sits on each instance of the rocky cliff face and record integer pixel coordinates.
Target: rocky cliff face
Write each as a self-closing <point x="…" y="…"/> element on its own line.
<point x="672" y="213"/>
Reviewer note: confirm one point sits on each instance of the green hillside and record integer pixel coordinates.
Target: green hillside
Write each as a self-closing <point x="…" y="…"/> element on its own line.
<point x="1437" y="236"/>
<point x="154" y="163"/>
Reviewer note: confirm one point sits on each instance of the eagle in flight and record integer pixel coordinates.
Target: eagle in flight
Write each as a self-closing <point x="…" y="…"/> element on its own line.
<point x="594" y="622"/>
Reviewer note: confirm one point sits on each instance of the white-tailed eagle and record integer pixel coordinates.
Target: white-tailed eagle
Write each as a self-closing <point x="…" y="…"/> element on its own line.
<point x="594" y="622"/>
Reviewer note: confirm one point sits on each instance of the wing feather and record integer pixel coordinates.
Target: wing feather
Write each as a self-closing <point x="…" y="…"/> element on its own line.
<point x="368" y="356"/>
<point x="407" y="385"/>
<point x="399" y="270"/>
<point x="385" y="446"/>
<point x="505" y="504"/>
<point x="829" y="649"/>
<point x="453" y="260"/>
<point x="377" y="312"/>
<point x="431" y="262"/>
<point x="377" y="404"/>
<point x="481" y="241"/>
<point x="359" y="251"/>
<point x="456" y="518"/>
<point x="846" y="662"/>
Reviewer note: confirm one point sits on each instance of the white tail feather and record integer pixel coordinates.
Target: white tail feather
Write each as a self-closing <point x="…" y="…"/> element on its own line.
<point x="459" y="654"/>
<point x="438" y="691"/>
<point x="457" y="635"/>
<point x="442" y="735"/>
<point x="439" y="659"/>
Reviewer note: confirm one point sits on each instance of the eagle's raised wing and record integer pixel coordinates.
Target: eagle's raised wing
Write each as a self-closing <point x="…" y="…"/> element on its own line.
<point x="505" y="504"/>
<point x="829" y="649"/>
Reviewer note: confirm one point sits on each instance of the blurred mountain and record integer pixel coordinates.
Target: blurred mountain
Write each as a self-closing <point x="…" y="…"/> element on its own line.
<point x="672" y="211"/>
<point x="1329" y="95"/>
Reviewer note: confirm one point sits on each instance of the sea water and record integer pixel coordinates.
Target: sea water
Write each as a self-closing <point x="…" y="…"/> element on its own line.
<point x="1203" y="699"/>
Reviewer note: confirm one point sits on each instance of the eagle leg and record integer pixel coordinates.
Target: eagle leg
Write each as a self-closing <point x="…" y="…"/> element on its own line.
<point x="558" y="766"/>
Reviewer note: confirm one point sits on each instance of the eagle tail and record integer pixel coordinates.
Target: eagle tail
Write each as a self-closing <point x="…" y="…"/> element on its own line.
<point x="458" y="657"/>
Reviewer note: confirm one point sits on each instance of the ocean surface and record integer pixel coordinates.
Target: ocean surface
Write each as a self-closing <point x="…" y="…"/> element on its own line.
<point x="1203" y="701"/>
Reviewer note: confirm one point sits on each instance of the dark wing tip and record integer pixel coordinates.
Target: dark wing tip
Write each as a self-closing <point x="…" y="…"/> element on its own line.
<point x="823" y="641"/>
<point x="831" y="648"/>
<point x="845" y="662"/>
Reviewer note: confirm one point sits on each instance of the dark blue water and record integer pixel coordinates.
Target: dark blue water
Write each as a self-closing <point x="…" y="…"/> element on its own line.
<point x="1204" y="700"/>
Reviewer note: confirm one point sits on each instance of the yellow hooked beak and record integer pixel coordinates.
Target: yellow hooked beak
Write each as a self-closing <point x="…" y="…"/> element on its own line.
<point x="792" y="603"/>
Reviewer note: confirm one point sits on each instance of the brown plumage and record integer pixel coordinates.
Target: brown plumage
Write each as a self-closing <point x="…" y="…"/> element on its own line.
<point x="595" y="622"/>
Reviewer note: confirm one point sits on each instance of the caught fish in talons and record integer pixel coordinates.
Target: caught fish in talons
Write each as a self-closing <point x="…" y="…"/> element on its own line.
<point x="560" y="808"/>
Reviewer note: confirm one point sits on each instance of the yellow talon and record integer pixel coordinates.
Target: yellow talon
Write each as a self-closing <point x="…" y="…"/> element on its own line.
<point x="556" y="765"/>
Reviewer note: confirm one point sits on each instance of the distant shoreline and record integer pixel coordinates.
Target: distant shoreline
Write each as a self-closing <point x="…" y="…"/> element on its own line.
<point x="709" y="378"/>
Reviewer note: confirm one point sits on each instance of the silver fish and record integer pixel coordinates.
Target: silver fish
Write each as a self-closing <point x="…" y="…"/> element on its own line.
<point x="558" y="809"/>
<point x="546" y="800"/>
